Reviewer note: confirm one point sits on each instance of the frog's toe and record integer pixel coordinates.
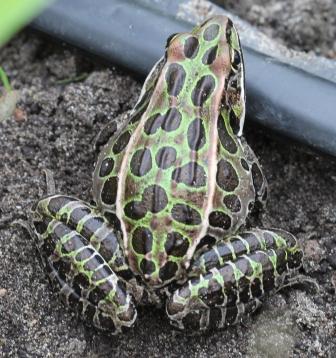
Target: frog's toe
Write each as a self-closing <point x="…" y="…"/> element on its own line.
<point x="83" y="278"/>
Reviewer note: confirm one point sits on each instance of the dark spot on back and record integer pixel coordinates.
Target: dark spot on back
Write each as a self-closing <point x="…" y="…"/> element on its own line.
<point x="171" y="120"/>
<point x="165" y="157"/>
<point x="109" y="191"/>
<point x="225" y="138"/>
<point x="210" y="55"/>
<point x="227" y="178"/>
<point x="244" y="164"/>
<point x="220" y="219"/>
<point x="106" y="167"/>
<point x="191" y="47"/>
<point x="154" y="198"/>
<point x="137" y="115"/>
<point x="142" y="240"/>
<point x="196" y="134"/>
<point x="153" y="123"/>
<point x="135" y="210"/>
<point x="191" y="174"/>
<point x="234" y="122"/>
<point x="141" y="162"/>
<point x="186" y="214"/>
<point x="211" y="32"/>
<point x="175" y="77"/>
<point x="232" y="202"/>
<point x="257" y="177"/>
<point x="121" y="142"/>
<point x="203" y="90"/>
<point x="168" y="271"/>
<point x="147" y="266"/>
<point x="176" y="244"/>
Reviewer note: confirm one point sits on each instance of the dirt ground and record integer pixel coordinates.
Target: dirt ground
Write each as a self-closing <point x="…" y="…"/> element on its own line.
<point x="63" y="117"/>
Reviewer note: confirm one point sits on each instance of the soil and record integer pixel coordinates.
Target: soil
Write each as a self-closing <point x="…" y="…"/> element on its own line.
<point x="58" y="118"/>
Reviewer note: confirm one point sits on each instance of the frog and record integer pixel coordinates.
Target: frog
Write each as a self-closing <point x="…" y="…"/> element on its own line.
<point x="173" y="190"/>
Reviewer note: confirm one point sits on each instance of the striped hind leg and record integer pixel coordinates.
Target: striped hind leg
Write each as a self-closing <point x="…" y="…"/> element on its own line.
<point x="81" y="253"/>
<point x="229" y="281"/>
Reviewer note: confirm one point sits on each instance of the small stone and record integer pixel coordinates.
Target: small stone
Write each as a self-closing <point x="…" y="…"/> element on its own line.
<point x="313" y="250"/>
<point x="3" y="292"/>
<point x="20" y="115"/>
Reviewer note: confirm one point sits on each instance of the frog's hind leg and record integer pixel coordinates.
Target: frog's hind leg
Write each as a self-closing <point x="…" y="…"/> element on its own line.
<point x="228" y="281"/>
<point x="81" y="252"/>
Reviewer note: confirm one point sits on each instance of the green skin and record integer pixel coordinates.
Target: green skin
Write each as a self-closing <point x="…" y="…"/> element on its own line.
<point x="173" y="189"/>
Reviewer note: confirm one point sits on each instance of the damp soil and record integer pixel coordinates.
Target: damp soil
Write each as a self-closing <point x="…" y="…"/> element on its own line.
<point x="64" y="101"/>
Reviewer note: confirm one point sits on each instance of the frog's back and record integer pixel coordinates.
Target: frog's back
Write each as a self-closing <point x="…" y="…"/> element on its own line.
<point x="171" y="180"/>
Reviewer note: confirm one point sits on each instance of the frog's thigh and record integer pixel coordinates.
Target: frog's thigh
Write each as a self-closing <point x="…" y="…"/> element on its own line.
<point x="83" y="277"/>
<point x="232" y="277"/>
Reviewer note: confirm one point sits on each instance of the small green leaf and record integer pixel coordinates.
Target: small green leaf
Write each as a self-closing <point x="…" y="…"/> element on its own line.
<point x="14" y="14"/>
<point x="4" y="80"/>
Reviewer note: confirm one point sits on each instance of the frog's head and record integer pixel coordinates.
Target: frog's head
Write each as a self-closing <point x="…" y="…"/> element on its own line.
<point x="210" y="53"/>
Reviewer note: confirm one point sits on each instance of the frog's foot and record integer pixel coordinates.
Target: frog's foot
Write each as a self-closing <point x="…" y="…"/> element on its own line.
<point x="78" y="248"/>
<point x="229" y="280"/>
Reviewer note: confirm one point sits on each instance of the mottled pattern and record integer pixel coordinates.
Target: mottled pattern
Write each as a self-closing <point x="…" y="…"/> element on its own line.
<point x="172" y="188"/>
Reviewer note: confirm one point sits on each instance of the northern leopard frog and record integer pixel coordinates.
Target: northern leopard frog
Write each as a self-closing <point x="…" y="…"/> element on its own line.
<point x="173" y="189"/>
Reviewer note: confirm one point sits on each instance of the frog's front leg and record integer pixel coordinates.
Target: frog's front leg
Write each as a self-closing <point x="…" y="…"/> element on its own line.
<point x="81" y="252"/>
<point x="229" y="280"/>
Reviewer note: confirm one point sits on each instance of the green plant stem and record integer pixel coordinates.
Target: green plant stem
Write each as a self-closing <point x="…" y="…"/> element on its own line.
<point x="5" y="81"/>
